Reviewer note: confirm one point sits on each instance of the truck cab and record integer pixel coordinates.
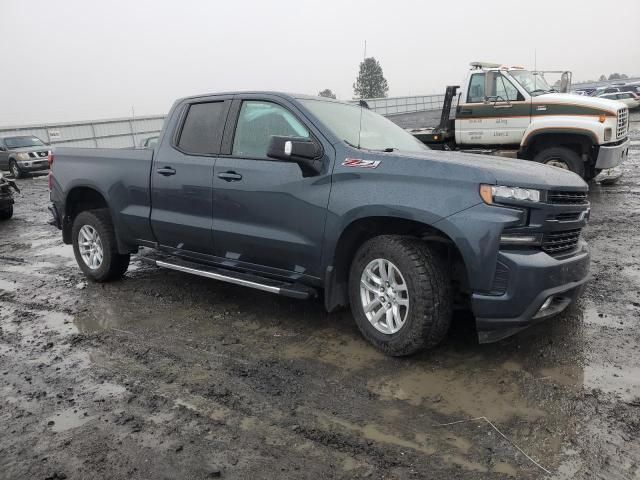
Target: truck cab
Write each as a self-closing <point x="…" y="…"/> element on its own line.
<point x="514" y="112"/>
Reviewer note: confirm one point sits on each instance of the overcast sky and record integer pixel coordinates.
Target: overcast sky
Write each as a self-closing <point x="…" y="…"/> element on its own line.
<point x="72" y="60"/>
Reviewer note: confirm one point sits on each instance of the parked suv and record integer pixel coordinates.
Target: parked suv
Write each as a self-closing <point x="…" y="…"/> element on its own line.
<point x="22" y="154"/>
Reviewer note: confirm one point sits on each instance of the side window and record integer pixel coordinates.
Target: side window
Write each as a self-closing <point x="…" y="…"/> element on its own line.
<point x="505" y="89"/>
<point x="258" y="122"/>
<point x="202" y="129"/>
<point x="476" y="88"/>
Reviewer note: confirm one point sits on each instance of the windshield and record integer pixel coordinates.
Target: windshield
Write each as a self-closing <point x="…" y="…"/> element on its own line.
<point x="533" y="83"/>
<point x="377" y="133"/>
<point x="20" y="142"/>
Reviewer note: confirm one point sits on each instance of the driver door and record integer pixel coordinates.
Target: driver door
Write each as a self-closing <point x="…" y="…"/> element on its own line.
<point x="498" y="115"/>
<point x="266" y="215"/>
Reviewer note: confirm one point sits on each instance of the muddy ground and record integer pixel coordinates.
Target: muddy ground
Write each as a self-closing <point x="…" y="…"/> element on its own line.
<point x="168" y="376"/>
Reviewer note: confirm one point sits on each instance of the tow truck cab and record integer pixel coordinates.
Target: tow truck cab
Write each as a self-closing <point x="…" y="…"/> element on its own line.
<point x="510" y="111"/>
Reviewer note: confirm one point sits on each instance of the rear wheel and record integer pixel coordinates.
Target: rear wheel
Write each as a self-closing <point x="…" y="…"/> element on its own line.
<point x="6" y="213"/>
<point x="400" y="294"/>
<point x="15" y="169"/>
<point x="95" y="246"/>
<point x="561" y="157"/>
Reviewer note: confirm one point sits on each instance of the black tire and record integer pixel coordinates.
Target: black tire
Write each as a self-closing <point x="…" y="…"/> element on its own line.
<point x="429" y="288"/>
<point x="562" y="155"/>
<point x="15" y="169"/>
<point x="6" y="213"/>
<point x="114" y="264"/>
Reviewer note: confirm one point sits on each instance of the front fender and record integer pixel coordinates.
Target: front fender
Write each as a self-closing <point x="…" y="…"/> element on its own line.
<point x="577" y="125"/>
<point x="476" y="233"/>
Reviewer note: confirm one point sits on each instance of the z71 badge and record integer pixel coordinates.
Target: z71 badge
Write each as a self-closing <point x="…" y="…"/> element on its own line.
<point x="356" y="162"/>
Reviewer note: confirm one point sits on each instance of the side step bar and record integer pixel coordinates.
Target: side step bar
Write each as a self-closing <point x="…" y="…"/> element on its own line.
<point x="286" y="289"/>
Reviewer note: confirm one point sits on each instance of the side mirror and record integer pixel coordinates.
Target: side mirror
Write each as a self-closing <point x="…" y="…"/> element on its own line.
<point x="564" y="82"/>
<point x="306" y="153"/>
<point x="2" y="149"/>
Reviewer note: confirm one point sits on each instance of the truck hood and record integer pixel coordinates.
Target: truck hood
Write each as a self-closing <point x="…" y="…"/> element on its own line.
<point x="43" y="148"/>
<point x="579" y="100"/>
<point x="497" y="170"/>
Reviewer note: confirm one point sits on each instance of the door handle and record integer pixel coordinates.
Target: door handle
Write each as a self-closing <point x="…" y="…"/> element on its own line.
<point x="230" y="176"/>
<point x="166" y="171"/>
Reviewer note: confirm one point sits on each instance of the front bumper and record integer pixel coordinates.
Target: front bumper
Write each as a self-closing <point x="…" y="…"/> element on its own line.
<point x="34" y="165"/>
<point x="534" y="277"/>
<point x="612" y="156"/>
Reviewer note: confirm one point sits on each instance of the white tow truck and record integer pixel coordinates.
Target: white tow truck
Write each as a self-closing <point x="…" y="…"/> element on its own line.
<point x="513" y="112"/>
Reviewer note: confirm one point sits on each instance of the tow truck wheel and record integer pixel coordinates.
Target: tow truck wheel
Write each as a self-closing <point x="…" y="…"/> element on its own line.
<point x="95" y="246"/>
<point x="15" y="169"/>
<point x="400" y="294"/>
<point x="561" y="157"/>
<point x="6" y="213"/>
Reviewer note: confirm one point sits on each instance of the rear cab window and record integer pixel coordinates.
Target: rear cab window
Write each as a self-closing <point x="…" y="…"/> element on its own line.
<point x="202" y="128"/>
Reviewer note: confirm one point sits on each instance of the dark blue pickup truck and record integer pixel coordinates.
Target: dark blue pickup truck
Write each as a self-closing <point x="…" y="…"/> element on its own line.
<point x="306" y="196"/>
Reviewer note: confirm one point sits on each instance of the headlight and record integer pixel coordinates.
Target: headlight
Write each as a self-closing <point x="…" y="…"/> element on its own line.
<point x="497" y="193"/>
<point x="22" y="156"/>
<point x="607" y="134"/>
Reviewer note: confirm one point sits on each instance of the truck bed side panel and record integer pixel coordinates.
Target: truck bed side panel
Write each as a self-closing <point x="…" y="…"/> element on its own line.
<point x="121" y="176"/>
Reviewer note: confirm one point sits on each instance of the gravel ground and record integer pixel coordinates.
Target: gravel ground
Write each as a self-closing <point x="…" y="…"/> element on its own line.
<point x="166" y="375"/>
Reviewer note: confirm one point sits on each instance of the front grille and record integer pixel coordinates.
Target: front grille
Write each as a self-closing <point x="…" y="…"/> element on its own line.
<point x="557" y="243"/>
<point x="572" y="198"/>
<point x="623" y="122"/>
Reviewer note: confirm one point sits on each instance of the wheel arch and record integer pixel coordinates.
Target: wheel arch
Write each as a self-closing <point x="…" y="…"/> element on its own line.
<point x="362" y="229"/>
<point x="80" y="199"/>
<point x="581" y="141"/>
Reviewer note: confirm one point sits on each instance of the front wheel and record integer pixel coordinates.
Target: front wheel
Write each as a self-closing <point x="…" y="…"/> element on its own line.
<point x="561" y="157"/>
<point x="15" y="169"/>
<point x="6" y="213"/>
<point x="400" y="294"/>
<point x="95" y="246"/>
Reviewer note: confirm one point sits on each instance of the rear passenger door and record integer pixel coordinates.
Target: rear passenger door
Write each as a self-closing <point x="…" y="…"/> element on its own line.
<point x="266" y="215"/>
<point x="182" y="176"/>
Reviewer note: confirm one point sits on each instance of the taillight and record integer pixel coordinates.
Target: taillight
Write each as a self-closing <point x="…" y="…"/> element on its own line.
<point x="50" y="176"/>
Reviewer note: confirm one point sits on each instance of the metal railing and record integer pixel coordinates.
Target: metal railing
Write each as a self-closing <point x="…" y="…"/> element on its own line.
<point x="112" y="133"/>
<point x="131" y="132"/>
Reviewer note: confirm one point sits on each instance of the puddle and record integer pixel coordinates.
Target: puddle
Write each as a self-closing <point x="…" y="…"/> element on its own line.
<point x="336" y="348"/>
<point x="8" y="285"/>
<point x="68" y="419"/>
<point x="107" y="390"/>
<point x="372" y="432"/>
<point x="505" y="468"/>
<point x="459" y="392"/>
<point x="63" y="250"/>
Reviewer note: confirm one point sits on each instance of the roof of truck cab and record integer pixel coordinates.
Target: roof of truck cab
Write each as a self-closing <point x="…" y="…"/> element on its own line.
<point x="290" y="96"/>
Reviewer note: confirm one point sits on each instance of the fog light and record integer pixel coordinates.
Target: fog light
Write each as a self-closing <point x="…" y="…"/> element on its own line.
<point x="546" y="304"/>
